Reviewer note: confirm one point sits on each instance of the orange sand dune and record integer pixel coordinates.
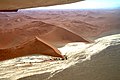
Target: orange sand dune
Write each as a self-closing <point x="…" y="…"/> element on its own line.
<point x="15" y="35"/>
<point x="60" y="36"/>
<point x="17" y="41"/>
<point x="35" y="46"/>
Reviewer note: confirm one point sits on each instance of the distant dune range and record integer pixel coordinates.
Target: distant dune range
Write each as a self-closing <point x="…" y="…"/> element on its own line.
<point x="89" y="24"/>
<point x="21" y="37"/>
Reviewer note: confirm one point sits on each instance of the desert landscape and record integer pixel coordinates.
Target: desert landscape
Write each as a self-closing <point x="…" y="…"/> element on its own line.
<point x="89" y="38"/>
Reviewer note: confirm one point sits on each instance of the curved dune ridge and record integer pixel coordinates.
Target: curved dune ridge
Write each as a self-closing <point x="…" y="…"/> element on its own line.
<point x="14" y="35"/>
<point x="35" y="46"/>
<point x="35" y="37"/>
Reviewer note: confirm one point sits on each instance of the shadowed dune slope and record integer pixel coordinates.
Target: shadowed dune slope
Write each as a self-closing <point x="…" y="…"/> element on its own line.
<point x="60" y="37"/>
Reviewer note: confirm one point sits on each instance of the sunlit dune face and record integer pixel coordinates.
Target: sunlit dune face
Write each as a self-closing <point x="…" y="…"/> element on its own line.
<point x="87" y="4"/>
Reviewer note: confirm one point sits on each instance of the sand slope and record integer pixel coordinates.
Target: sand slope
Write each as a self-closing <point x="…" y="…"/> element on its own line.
<point x="85" y="61"/>
<point x="86" y="23"/>
<point x="102" y="66"/>
<point x="35" y="46"/>
<point x="15" y="35"/>
<point x="95" y="61"/>
<point x="60" y="37"/>
<point x="20" y="29"/>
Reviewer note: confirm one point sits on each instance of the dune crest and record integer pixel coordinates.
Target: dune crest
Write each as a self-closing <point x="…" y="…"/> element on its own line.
<point x="35" y="46"/>
<point x="22" y="36"/>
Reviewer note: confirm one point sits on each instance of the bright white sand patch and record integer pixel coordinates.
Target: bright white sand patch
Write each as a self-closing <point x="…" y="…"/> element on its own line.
<point x="76" y="52"/>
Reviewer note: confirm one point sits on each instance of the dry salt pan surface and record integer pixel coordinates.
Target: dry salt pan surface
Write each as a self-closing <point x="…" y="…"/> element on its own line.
<point x="77" y="53"/>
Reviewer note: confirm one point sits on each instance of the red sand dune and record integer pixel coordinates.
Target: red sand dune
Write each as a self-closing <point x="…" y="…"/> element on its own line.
<point x="35" y="46"/>
<point x="49" y="33"/>
<point x="19" y="39"/>
<point x="60" y="36"/>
